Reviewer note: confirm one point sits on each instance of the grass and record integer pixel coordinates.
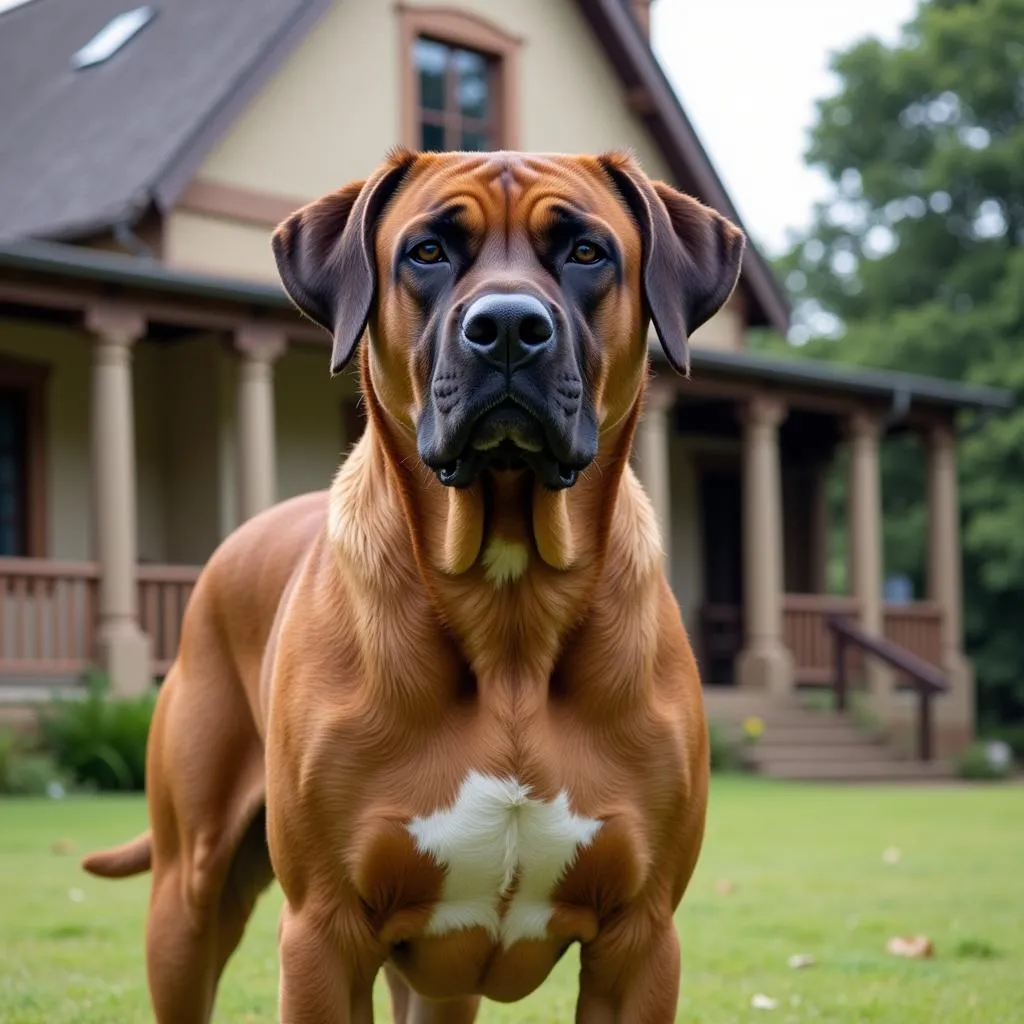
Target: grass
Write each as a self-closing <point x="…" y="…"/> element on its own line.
<point x="807" y="875"/>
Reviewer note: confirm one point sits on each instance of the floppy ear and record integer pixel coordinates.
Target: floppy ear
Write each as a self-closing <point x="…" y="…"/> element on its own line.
<point x="691" y="255"/>
<point x="325" y="256"/>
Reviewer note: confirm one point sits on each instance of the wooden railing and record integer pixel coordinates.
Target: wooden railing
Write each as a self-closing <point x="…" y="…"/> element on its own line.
<point x="917" y="627"/>
<point x="48" y="614"/>
<point x="924" y="677"/>
<point x="806" y="633"/>
<point x="164" y="591"/>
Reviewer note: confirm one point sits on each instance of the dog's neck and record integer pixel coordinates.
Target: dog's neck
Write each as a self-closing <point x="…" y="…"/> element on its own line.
<point x="509" y="603"/>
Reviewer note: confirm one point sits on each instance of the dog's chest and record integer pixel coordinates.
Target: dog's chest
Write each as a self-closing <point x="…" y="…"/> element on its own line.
<point x="503" y="853"/>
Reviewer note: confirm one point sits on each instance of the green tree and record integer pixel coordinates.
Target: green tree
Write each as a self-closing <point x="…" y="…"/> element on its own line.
<point x="916" y="262"/>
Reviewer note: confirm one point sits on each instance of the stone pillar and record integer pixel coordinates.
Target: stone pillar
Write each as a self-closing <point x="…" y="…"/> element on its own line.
<point x="865" y="549"/>
<point x="955" y="712"/>
<point x="259" y="348"/>
<point x="123" y="651"/>
<point x="765" y="662"/>
<point x="653" y="465"/>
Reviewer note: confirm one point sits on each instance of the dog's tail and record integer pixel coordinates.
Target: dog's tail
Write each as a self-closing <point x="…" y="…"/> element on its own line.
<point x="131" y="858"/>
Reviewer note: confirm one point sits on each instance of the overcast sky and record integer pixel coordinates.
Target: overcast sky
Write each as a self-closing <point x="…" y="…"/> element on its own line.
<point x="748" y="73"/>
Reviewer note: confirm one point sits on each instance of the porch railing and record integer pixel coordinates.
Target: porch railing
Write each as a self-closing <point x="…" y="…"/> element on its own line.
<point x="164" y="591"/>
<point x="925" y="679"/>
<point x="917" y="627"/>
<point x="48" y="613"/>
<point x="47" y="616"/>
<point x="806" y="633"/>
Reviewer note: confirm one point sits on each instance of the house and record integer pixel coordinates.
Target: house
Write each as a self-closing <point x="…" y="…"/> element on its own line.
<point x="157" y="387"/>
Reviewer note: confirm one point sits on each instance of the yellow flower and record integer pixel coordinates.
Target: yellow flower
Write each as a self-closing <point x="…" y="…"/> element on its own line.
<point x="753" y="727"/>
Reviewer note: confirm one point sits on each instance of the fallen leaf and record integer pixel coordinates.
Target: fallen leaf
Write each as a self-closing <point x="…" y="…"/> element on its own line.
<point x="724" y="886"/>
<point x="914" y="947"/>
<point x="763" y="1002"/>
<point x="891" y="855"/>
<point x="62" y="846"/>
<point x="798" y="960"/>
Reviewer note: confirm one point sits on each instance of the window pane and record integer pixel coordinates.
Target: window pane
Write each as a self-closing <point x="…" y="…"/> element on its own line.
<point x="431" y="59"/>
<point x="473" y="83"/>
<point x="431" y="137"/>
<point x="475" y="141"/>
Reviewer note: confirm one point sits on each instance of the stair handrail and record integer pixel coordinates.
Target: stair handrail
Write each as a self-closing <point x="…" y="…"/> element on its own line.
<point x="925" y="678"/>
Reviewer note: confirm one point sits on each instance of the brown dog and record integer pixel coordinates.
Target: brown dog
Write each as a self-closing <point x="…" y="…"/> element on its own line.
<point x="450" y="704"/>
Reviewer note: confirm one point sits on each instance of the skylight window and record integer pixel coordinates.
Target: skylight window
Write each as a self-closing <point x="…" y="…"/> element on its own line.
<point x="112" y="36"/>
<point x="9" y="5"/>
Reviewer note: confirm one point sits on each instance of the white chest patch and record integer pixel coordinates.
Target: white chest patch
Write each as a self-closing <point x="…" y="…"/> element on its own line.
<point x="505" y="561"/>
<point x="493" y="834"/>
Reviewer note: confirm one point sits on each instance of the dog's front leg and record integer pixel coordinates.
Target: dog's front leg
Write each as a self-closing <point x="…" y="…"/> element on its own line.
<point x="327" y="970"/>
<point x="629" y="974"/>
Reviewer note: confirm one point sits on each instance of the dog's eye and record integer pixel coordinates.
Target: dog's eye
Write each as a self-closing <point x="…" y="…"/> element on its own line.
<point x="587" y="252"/>
<point x="428" y="252"/>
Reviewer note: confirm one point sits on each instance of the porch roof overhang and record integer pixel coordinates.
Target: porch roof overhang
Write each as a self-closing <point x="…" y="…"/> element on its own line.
<point x="110" y="276"/>
<point x="899" y="389"/>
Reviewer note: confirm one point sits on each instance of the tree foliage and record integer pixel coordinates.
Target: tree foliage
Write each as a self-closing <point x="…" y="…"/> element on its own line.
<point x="916" y="262"/>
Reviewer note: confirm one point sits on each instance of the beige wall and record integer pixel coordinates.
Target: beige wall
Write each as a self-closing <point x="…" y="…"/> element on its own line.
<point x="154" y="401"/>
<point x="332" y="111"/>
<point x="310" y="437"/>
<point x="185" y="437"/>
<point x="725" y="330"/>
<point x="68" y="500"/>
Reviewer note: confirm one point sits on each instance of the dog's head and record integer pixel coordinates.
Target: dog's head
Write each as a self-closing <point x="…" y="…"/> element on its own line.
<point x="508" y="297"/>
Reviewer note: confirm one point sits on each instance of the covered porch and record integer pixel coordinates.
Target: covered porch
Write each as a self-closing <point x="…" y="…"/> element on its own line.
<point x="736" y="461"/>
<point x="144" y="413"/>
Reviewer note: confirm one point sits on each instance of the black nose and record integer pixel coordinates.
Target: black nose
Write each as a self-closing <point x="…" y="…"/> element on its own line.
<point x="507" y="330"/>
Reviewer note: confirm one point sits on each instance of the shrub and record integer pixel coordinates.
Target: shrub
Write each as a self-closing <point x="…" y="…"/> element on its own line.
<point x="1011" y="734"/>
<point x="25" y="771"/>
<point x="726" y="750"/>
<point x="100" y="740"/>
<point x="985" y="759"/>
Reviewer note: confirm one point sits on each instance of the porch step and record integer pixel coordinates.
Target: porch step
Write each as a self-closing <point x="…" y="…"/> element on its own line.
<point x="835" y="734"/>
<point x="841" y="769"/>
<point x="814" y="751"/>
<point x="802" y="744"/>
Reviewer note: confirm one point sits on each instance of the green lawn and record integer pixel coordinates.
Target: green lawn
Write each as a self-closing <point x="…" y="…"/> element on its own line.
<point x="807" y="876"/>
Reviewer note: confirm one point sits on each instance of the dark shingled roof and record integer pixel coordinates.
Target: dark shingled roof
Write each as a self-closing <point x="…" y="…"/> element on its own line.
<point x="81" y="150"/>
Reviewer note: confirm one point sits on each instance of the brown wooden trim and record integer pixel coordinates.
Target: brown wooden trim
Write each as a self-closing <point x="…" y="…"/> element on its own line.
<point x="232" y="202"/>
<point x="186" y="314"/>
<point x="32" y="378"/>
<point x="460" y="28"/>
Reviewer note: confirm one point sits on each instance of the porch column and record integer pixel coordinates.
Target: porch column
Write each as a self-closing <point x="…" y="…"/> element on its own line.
<point x="765" y="663"/>
<point x="653" y="462"/>
<point x="865" y="545"/>
<point x="259" y="348"/>
<point x="955" y="712"/>
<point x="124" y="652"/>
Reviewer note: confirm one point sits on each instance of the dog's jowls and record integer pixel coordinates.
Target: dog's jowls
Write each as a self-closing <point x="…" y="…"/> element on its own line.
<point x="450" y="703"/>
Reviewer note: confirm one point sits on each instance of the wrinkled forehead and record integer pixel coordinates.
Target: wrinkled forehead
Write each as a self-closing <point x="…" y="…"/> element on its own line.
<point x="505" y="194"/>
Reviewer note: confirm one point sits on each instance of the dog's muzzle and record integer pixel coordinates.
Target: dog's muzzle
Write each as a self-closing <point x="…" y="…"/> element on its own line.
<point x="506" y="396"/>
